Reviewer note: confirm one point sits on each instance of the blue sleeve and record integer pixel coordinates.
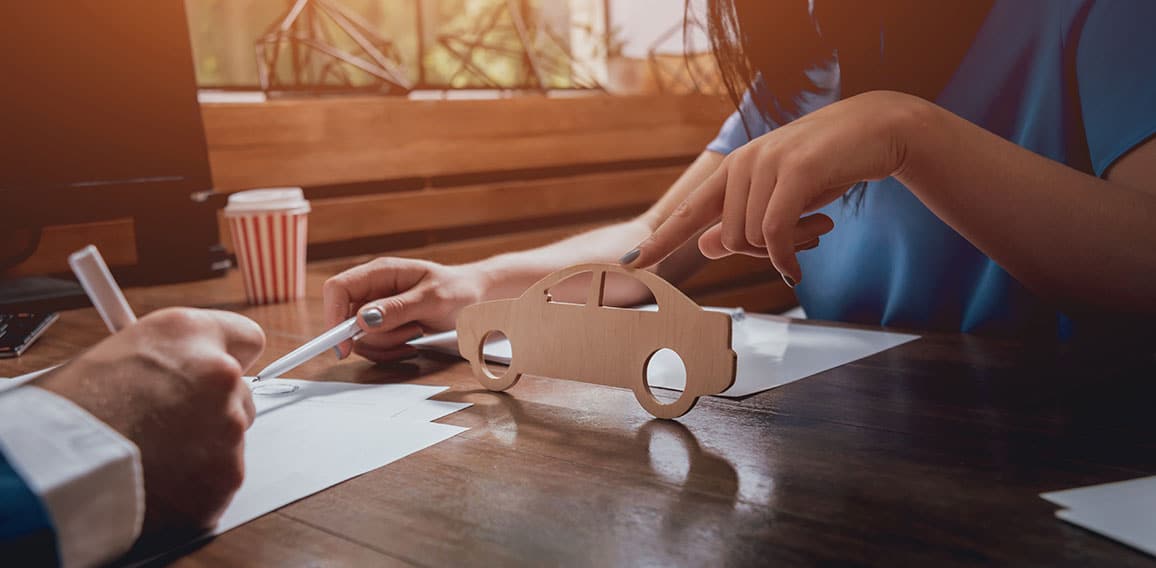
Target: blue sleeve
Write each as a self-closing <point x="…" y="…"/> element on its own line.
<point x="1116" y="78"/>
<point x="26" y="534"/>
<point x="734" y="133"/>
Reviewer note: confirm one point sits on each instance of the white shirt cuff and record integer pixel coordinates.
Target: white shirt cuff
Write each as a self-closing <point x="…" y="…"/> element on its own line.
<point x="87" y="474"/>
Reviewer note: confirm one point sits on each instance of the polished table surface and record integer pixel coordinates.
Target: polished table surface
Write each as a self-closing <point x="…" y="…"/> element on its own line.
<point x="932" y="453"/>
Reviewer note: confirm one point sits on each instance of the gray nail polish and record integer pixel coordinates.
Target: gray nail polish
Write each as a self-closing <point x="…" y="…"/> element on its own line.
<point x="790" y="281"/>
<point x="630" y="256"/>
<point x="337" y="352"/>
<point x="372" y="317"/>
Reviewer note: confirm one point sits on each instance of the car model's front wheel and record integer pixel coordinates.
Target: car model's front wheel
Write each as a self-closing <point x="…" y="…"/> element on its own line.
<point x="664" y="408"/>
<point x="494" y="376"/>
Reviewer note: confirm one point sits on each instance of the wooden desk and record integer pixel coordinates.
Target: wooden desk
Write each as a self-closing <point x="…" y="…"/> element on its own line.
<point x="929" y="454"/>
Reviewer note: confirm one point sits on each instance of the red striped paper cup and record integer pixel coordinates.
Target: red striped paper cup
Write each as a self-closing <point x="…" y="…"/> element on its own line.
<point x="268" y="227"/>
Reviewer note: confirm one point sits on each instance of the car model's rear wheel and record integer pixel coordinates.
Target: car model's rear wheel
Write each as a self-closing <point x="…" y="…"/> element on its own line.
<point x="664" y="407"/>
<point x="494" y="376"/>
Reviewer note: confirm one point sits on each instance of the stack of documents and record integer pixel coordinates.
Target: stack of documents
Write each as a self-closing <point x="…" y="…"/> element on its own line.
<point x="1124" y="511"/>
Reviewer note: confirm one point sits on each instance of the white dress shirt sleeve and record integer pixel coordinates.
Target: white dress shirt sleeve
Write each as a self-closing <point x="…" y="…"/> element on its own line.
<point x="88" y="476"/>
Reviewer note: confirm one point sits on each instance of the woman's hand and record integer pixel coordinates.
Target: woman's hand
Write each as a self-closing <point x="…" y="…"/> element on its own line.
<point x="397" y="300"/>
<point x="755" y="201"/>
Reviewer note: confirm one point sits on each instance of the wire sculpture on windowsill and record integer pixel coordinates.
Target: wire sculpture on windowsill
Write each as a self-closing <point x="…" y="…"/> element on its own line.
<point x="305" y="34"/>
<point x="693" y="71"/>
<point x="512" y="29"/>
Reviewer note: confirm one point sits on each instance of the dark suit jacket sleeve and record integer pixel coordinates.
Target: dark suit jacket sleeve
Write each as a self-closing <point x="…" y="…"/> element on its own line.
<point x="26" y="534"/>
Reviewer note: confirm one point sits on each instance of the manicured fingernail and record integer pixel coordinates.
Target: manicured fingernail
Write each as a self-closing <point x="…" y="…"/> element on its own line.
<point x="337" y="352"/>
<point x="630" y="256"/>
<point x="372" y="317"/>
<point x="790" y="281"/>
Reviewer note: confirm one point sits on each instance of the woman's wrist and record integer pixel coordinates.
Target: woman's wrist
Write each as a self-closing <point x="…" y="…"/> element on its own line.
<point x="496" y="277"/>
<point x="916" y="125"/>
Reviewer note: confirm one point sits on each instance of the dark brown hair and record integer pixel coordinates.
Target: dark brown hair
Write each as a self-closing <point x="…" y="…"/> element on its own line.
<point x="787" y="41"/>
<point x="771" y="44"/>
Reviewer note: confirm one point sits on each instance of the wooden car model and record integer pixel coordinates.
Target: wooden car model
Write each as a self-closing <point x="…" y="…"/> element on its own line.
<point x="599" y="344"/>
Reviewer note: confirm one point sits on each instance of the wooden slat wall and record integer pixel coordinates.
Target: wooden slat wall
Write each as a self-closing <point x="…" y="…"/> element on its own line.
<point x="608" y="147"/>
<point x="433" y="209"/>
<point x="343" y="140"/>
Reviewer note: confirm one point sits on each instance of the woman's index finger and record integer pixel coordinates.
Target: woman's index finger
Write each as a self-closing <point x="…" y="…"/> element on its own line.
<point x="699" y="210"/>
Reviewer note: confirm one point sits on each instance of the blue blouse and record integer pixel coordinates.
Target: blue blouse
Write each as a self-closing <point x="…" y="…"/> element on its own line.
<point x="1072" y="80"/>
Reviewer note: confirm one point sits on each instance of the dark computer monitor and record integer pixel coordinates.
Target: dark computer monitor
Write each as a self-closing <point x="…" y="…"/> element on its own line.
<point x="99" y="120"/>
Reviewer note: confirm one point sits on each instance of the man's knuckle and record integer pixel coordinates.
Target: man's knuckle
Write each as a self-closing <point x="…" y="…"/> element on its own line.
<point x="221" y="370"/>
<point x="181" y="321"/>
<point x="250" y="335"/>
<point x="235" y="426"/>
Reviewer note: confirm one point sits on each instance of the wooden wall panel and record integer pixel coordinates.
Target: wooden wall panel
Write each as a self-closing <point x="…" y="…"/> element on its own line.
<point x="344" y="140"/>
<point x="432" y="209"/>
<point x="355" y="217"/>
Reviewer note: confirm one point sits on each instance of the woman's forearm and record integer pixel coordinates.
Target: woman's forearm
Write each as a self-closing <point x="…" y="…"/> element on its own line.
<point x="507" y="275"/>
<point x="1080" y="240"/>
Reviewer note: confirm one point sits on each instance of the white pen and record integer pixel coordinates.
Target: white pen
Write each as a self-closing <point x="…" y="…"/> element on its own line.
<point x="94" y="276"/>
<point x="343" y="331"/>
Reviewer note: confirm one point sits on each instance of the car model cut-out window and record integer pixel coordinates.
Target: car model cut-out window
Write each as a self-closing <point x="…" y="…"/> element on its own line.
<point x="572" y="290"/>
<point x="580" y="288"/>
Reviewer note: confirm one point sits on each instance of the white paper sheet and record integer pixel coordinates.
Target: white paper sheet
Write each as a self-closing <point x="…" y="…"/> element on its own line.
<point x="324" y="433"/>
<point x="430" y="410"/>
<point x="1110" y="495"/>
<point x="301" y="449"/>
<point x="772" y="351"/>
<point x="1124" y="511"/>
<point x="1134" y="527"/>
<point x="380" y="400"/>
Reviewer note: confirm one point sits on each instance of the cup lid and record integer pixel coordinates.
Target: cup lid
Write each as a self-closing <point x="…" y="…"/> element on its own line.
<point x="273" y="200"/>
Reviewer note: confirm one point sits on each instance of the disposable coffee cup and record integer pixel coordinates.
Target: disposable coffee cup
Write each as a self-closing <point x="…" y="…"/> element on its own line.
<point x="268" y="227"/>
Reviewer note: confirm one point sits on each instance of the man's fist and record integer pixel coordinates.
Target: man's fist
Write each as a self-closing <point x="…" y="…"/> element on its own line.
<point x="172" y="383"/>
